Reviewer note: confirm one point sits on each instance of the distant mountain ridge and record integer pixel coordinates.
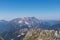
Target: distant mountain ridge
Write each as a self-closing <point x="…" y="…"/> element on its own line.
<point x="27" y="22"/>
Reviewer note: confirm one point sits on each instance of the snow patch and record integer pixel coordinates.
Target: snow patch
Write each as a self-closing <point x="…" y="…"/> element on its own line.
<point x="26" y="23"/>
<point x="18" y="35"/>
<point x="20" y="21"/>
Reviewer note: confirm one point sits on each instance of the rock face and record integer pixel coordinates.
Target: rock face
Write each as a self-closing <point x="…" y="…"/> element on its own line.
<point x="38" y="34"/>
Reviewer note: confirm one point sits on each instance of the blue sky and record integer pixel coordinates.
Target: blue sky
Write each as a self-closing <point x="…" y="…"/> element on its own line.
<point x="43" y="9"/>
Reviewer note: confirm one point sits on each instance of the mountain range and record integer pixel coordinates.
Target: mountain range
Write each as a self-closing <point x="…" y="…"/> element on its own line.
<point x="14" y="28"/>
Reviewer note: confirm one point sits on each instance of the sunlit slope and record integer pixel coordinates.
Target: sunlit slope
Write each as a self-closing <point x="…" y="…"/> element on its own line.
<point x="37" y="34"/>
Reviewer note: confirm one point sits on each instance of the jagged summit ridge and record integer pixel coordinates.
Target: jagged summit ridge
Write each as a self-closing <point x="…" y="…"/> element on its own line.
<point x="30" y="21"/>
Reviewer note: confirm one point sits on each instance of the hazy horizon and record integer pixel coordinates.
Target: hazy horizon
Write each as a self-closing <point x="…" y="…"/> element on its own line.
<point x="42" y="9"/>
